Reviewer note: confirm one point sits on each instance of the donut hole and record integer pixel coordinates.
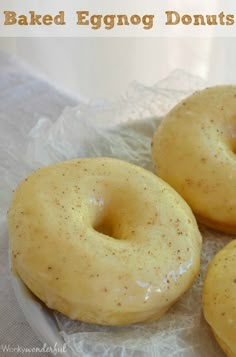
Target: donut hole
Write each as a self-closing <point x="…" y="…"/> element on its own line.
<point x="114" y="218"/>
<point x="233" y="145"/>
<point x="106" y="227"/>
<point x="230" y="131"/>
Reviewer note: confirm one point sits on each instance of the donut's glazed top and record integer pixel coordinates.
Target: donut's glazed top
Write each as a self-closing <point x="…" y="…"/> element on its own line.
<point x="219" y="297"/>
<point x="102" y="240"/>
<point x="194" y="151"/>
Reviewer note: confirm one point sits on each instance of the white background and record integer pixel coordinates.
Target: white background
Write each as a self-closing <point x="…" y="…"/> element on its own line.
<point x="103" y="67"/>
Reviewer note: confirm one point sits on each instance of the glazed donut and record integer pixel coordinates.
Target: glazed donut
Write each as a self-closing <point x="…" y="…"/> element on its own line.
<point x="194" y="151"/>
<point x="219" y="298"/>
<point x="103" y="241"/>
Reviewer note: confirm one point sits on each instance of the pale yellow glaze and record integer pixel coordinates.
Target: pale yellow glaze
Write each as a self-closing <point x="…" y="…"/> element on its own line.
<point x="103" y="241"/>
<point x="219" y="298"/>
<point x="194" y="151"/>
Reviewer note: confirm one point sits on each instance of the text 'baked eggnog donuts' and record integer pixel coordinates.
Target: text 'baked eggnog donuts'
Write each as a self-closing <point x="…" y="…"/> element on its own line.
<point x="219" y="298"/>
<point x="194" y="151"/>
<point x="103" y="241"/>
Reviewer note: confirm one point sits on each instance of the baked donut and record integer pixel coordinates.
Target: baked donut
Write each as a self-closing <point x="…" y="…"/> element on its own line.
<point x="103" y="241"/>
<point x="194" y="151"/>
<point x="219" y="298"/>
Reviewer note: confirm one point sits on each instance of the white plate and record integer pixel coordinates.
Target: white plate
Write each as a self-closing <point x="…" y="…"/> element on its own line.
<point x="38" y="316"/>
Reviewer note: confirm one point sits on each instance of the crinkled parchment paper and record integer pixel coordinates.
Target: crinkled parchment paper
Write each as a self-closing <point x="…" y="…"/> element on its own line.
<point x="121" y="129"/>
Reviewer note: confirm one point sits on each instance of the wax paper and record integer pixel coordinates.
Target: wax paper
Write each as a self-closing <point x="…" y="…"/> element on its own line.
<point x="122" y="129"/>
